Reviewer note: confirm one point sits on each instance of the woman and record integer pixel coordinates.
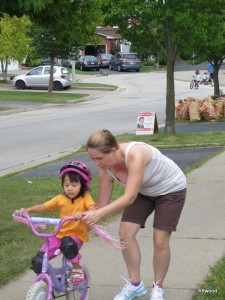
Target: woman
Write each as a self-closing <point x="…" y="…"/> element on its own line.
<point x="152" y="182"/>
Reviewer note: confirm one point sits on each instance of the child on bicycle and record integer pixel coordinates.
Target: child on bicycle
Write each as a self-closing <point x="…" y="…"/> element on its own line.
<point x="76" y="180"/>
<point x="196" y="77"/>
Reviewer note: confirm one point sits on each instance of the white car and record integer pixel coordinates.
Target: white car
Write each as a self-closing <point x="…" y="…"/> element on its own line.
<point x="39" y="77"/>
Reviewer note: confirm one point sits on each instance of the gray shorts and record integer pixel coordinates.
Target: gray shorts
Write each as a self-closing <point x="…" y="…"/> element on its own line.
<point x="167" y="210"/>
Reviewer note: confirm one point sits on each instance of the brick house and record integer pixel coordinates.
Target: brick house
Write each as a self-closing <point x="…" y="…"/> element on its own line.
<point x="110" y="42"/>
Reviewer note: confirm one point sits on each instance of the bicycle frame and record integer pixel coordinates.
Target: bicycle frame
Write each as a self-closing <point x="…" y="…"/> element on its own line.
<point x="49" y="273"/>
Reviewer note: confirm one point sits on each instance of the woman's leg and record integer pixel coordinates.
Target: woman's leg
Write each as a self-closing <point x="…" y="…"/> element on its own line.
<point x="161" y="258"/>
<point x="131" y="253"/>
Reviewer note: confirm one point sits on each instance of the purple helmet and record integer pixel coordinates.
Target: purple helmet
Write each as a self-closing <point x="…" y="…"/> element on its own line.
<point x="79" y="168"/>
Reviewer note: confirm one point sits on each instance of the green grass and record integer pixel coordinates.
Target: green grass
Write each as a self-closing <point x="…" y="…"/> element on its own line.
<point x="94" y="85"/>
<point x="18" y="244"/>
<point x="42" y="97"/>
<point x="180" y="139"/>
<point x="5" y="108"/>
<point x="214" y="284"/>
<point x="5" y="82"/>
<point x="17" y="192"/>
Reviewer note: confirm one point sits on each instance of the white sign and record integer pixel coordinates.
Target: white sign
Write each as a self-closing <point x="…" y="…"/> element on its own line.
<point x="146" y="123"/>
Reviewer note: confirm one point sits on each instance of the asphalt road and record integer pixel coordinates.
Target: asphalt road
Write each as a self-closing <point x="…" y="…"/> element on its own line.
<point x="43" y="133"/>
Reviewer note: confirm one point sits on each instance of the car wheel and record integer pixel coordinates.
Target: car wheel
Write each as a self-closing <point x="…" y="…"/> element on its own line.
<point x="137" y="70"/>
<point x="57" y="86"/>
<point x="20" y="84"/>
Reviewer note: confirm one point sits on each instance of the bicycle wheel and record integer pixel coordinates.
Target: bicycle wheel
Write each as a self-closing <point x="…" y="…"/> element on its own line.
<point x="37" y="291"/>
<point x="191" y="85"/>
<point x="196" y="85"/>
<point x="81" y="293"/>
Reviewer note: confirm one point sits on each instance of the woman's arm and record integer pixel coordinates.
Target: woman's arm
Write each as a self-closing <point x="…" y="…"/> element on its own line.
<point x="105" y="188"/>
<point x="137" y="159"/>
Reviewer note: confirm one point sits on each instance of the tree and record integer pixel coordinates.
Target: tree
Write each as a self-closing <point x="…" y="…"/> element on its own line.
<point x="208" y="41"/>
<point x="169" y="25"/>
<point x="63" y="26"/>
<point x="160" y="23"/>
<point x="13" y="40"/>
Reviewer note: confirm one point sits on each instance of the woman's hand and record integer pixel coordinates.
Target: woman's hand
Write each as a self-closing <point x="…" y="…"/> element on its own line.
<point x="78" y="215"/>
<point x="91" y="217"/>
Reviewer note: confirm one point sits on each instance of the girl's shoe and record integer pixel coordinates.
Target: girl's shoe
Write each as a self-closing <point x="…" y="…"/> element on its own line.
<point x="77" y="277"/>
<point x="156" y="293"/>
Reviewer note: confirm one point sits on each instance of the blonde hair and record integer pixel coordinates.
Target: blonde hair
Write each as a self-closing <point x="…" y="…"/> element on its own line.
<point x="104" y="141"/>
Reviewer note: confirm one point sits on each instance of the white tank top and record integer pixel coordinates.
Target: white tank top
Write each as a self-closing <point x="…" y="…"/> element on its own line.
<point x="161" y="176"/>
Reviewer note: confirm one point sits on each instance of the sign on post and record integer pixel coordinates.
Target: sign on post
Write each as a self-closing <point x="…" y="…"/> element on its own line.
<point x="146" y="123"/>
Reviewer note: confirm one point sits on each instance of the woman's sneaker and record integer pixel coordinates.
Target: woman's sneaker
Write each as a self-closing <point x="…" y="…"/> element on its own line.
<point x="156" y="293"/>
<point x="130" y="291"/>
<point x="77" y="277"/>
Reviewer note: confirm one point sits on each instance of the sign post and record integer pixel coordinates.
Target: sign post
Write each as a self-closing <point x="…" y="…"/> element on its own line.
<point x="146" y="123"/>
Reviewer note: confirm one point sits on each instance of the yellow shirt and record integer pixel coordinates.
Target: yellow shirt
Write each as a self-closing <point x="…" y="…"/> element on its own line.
<point x="66" y="209"/>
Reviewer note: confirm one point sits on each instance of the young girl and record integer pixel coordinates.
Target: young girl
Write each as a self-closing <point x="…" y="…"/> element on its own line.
<point x="76" y="180"/>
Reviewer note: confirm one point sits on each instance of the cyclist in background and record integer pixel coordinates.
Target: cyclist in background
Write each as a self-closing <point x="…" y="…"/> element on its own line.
<point x="211" y="73"/>
<point x="196" y="77"/>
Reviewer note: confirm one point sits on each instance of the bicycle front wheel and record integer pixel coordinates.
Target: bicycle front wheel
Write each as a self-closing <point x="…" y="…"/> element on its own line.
<point x="81" y="293"/>
<point x="38" y="291"/>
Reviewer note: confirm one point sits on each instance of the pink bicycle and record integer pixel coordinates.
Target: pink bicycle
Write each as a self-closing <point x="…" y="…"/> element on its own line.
<point x="54" y="282"/>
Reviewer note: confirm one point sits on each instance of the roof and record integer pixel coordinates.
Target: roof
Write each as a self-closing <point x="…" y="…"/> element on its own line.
<point x="109" y="33"/>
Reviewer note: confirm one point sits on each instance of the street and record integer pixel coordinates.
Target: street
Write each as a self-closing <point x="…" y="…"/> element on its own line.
<point x="31" y="137"/>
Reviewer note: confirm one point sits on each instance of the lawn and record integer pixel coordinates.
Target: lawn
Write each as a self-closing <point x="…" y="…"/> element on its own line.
<point x="43" y="97"/>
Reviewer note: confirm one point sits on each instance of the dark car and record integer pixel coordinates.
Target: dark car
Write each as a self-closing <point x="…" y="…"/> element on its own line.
<point x="87" y="62"/>
<point x="67" y="63"/>
<point x="104" y="60"/>
<point x="125" y="61"/>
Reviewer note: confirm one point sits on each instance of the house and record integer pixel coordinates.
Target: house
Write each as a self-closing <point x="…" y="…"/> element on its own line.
<point x="110" y="42"/>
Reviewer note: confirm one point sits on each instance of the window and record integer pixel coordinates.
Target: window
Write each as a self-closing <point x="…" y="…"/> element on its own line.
<point x="37" y="71"/>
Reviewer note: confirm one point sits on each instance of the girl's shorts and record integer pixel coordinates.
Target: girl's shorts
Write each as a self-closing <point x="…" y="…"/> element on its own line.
<point x="54" y="245"/>
<point x="167" y="210"/>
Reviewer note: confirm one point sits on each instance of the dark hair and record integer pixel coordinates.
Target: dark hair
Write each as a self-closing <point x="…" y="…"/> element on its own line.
<point x="75" y="177"/>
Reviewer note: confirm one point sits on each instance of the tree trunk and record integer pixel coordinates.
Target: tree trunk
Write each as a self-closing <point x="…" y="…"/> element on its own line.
<point x="50" y="85"/>
<point x="170" y="93"/>
<point x="216" y="78"/>
<point x="4" y="66"/>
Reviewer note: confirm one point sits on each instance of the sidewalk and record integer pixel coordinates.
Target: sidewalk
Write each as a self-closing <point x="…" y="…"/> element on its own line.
<point x="198" y="244"/>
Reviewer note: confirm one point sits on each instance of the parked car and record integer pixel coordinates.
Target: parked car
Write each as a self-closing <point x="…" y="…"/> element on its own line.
<point x="125" y="61"/>
<point x="45" y="61"/>
<point x="104" y="60"/>
<point x="39" y="77"/>
<point x="87" y="62"/>
<point x="67" y="63"/>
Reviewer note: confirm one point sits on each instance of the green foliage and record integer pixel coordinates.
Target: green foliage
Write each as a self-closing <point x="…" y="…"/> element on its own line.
<point x="13" y="39"/>
<point x="20" y="7"/>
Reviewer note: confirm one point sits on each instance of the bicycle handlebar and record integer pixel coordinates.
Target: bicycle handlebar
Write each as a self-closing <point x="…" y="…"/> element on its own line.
<point x="33" y="222"/>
